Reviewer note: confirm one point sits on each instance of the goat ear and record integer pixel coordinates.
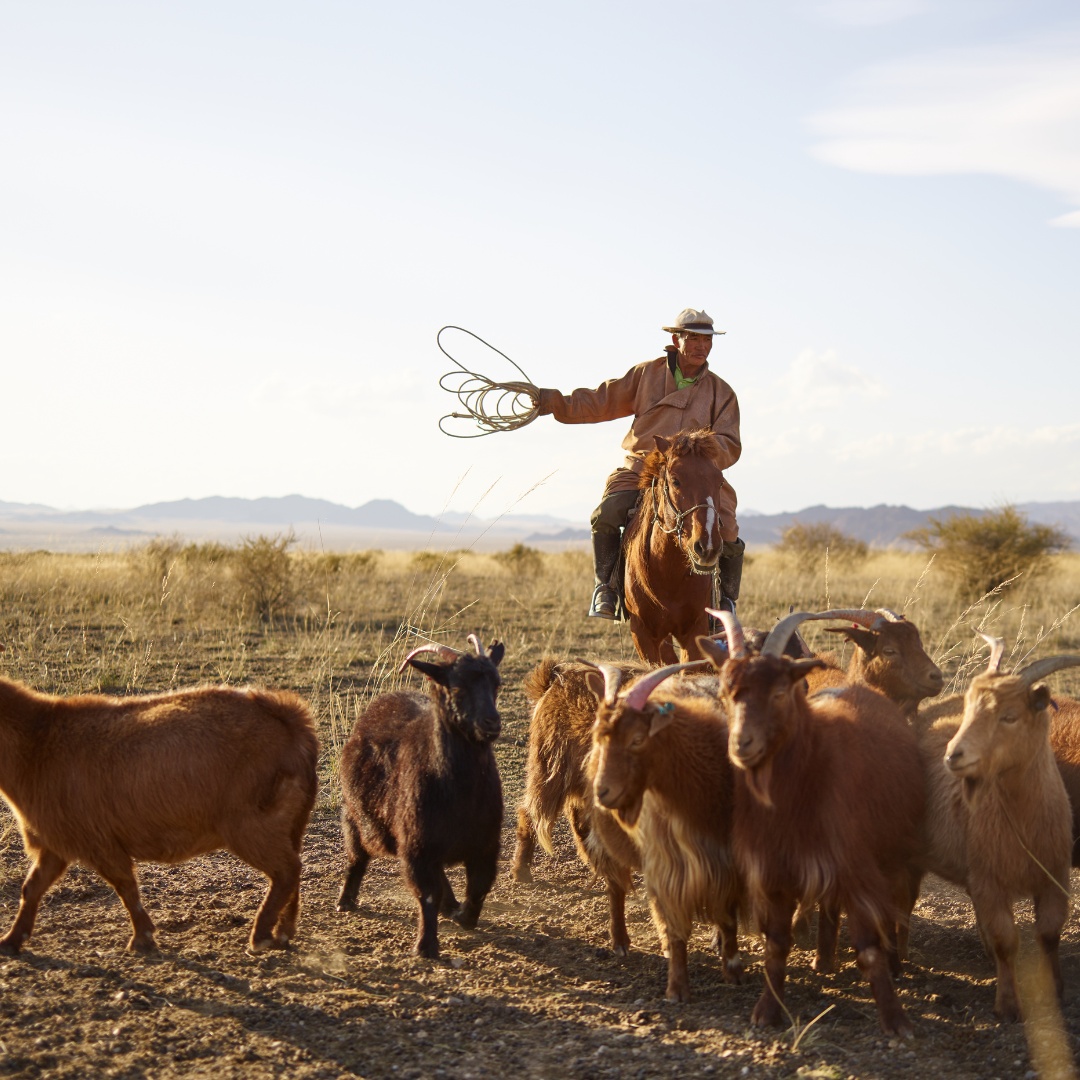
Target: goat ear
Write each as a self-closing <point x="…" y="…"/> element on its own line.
<point x="495" y="652"/>
<point x="660" y="720"/>
<point x="1039" y="697"/>
<point x="435" y="672"/>
<point x="597" y="684"/>
<point x="662" y="444"/>
<point x="864" y="639"/>
<point x="716" y="652"/>
<point x="800" y="668"/>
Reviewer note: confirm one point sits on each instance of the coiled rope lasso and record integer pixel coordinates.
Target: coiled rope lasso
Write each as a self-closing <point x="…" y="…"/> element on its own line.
<point x="495" y="406"/>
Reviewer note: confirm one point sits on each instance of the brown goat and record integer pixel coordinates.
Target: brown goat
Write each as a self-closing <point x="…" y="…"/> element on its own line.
<point x="107" y="782"/>
<point x="888" y="657"/>
<point x="828" y="804"/>
<point x="661" y="768"/>
<point x="998" y="818"/>
<point x="1065" y="742"/>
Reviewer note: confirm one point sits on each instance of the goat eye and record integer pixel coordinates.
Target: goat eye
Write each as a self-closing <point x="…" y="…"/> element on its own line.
<point x="888" y="652"/>
<point x="1008" y="718"/>
<point x="675" y="484"/>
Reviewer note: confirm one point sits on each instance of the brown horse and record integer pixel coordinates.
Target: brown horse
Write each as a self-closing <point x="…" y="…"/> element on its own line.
<point x="672" y="546"/>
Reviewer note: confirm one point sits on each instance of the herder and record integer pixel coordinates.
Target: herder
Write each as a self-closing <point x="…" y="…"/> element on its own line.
<point x="674" y="393"/>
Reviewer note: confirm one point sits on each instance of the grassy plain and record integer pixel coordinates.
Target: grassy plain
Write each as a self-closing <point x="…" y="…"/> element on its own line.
<point x="334" y="627"/>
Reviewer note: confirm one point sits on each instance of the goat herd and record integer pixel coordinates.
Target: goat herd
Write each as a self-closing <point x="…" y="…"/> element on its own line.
<point x="752" y="785"/>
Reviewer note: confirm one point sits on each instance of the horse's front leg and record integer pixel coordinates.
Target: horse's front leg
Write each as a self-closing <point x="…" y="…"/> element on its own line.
<point x="650" y="646"/>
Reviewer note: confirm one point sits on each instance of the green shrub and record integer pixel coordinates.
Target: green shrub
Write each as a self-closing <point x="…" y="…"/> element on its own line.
<point x="981" y="552"/>
<point x="811" y="544"/>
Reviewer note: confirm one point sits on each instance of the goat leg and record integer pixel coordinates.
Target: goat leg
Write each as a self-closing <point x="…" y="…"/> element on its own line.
<point x="873" y="962"/>
<point x="272" y="913"/>
<point x="480" y="871"/>
<point x="45" y="870"/>
<point x="999" y="933"/>
<point x="525" y="848"/>
<point x="725" y="941"/>
<point x="448" y="903"/>
<point x="768" y="1012"/>
<point x="425" y="882"/>
<point x="358" y="858"/>
<point x="121" y="876"/>
<point x="1051" y="911"/>
<point x="827" y="934"/>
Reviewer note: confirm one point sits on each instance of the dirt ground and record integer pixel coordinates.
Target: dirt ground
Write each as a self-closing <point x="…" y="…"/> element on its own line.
<point x="535" y="991"/>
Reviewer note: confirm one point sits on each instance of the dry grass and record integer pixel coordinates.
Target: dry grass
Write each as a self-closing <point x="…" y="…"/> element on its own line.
<point x="168" y="615"/>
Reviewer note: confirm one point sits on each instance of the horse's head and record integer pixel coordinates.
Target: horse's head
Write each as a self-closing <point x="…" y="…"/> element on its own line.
<point x="685" y="477"/>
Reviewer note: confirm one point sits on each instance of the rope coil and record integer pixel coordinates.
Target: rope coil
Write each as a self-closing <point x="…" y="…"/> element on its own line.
<point x="495" y="406"/>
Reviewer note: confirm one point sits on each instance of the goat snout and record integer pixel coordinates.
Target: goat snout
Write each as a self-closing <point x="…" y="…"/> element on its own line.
<point x="744" y="747"/>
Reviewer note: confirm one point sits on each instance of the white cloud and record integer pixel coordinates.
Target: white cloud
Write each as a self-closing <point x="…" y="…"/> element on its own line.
<point x="816" y="382"/>
<point x="1011" y="111"/>
<point x="870" y="12"/>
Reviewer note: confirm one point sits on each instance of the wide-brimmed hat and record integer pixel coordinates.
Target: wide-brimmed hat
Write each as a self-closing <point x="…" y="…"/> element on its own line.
<point x="689" y="321"/>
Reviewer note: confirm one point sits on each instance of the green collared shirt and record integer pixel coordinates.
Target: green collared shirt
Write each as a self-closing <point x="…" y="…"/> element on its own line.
<point x="681" y="380"/>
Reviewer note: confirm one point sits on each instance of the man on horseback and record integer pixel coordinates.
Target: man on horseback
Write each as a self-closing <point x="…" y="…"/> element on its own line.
<point x="674" y="393"/>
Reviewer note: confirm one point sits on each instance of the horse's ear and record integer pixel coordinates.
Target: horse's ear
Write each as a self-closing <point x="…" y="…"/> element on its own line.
<point x="662" y="444"/>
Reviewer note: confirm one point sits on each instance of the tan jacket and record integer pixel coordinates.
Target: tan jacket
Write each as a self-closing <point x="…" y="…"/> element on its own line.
<point x="648" y="394"/>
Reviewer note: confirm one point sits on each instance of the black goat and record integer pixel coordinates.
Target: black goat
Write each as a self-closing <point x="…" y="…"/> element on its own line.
<point x="420" y="784"/>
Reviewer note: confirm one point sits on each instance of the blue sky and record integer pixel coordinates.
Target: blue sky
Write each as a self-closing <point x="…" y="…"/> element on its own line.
<point x="229" y="233"/>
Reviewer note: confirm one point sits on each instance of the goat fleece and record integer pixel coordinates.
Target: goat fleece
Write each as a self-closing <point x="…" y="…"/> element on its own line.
<point x="107" y="781"/>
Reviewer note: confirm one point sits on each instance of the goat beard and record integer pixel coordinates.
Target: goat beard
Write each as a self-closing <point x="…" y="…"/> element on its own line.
<point x="758" y="780"/>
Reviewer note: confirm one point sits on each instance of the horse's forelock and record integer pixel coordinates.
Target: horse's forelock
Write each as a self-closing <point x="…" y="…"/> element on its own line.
<point x="701" y="443"/>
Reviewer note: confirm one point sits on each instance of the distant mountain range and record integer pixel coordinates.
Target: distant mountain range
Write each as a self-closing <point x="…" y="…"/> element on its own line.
<point x="386" y="523"/>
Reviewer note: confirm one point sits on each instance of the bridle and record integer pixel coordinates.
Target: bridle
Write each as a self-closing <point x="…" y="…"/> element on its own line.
<point x="677" y="529"/>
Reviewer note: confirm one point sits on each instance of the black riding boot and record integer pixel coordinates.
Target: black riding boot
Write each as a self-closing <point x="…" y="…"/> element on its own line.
<point x="731" y="573"/>
<point x="605" y="600"/>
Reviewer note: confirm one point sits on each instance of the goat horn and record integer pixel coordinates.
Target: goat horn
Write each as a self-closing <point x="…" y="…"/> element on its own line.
<point x="736" y="643"/>
<point x="639" y="693"/>
<point x="997" y="651"/>
<point x="1041" y="668"/>
<point x="613" y="677"/>
<point x="477" y="644"/>
<point x="444" y="652"/>
<point x="778" y="636"/>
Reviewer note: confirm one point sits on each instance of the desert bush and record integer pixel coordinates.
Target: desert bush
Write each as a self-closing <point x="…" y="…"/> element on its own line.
<point x="265" y="573"/>
<point x="983" y="552"/>
<point x="521" y="561"/>
<point x="812" y="543"/>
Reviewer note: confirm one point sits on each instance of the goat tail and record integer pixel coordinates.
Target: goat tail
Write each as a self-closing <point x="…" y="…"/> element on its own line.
<point x="541" y="678"/>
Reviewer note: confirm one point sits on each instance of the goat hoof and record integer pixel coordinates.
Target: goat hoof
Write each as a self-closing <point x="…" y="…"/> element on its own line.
<point x="262" y="945"/>
<point x="10" y="947"/>
<point x="735" y="972"/>
<point x="522" y="875"/>
<point x="142" y="944"/>
<point x="426" y="952"/>
<point x="346" y="905"/>
<point x="766" y="1013"/>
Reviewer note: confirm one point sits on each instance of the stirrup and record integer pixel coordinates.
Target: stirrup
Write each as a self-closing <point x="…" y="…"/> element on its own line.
<point x="605" y="602"/>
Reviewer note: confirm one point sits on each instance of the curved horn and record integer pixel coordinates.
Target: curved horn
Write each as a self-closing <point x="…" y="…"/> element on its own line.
<point x="613" y="677"/>
<point x="997" y="651"/>
<point x="778" y="636"/>
<point x="1041" y="668"/>
<point x="639" y="693"/>
<point x="736" y="643"/>
<point x="477" y="644"/>
<point x="444" y="652"/>
<point x="890" y="616"/>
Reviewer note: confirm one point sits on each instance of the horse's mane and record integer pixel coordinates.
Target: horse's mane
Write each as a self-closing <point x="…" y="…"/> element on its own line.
<point x="701" y="442"/>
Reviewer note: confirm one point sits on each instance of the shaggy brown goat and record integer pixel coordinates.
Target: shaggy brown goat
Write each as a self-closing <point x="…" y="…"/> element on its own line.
<point x="108" y="781"/>
<point x="660" y="766"/>
<point x="558" y="780"/>
<point x="828" y="804"/>
<point x="888" y="657"/>
<point x="420" y="784"/>
<point x="998" y="819"/>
